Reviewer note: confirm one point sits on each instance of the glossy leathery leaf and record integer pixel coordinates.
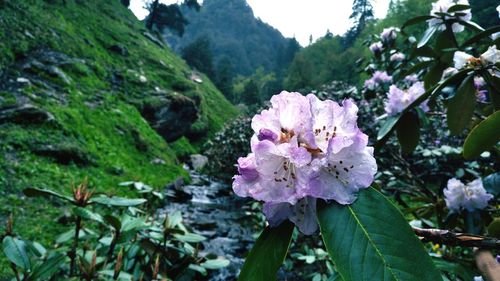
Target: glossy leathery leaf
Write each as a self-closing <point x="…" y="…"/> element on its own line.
<point x="371" y="240"/>
<point x="268" y="253"/>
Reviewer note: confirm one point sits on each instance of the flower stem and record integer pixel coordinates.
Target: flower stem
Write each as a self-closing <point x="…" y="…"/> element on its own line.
<point x="72" y="254"/>
<point x="113" y="245"/>
<point x="16" y="273"/>
<point x="450" y="238"/>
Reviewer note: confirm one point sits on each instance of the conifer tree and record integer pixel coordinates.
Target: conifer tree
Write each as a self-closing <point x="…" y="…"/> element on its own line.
<point x="198" y="55"/>
<point x="362" y="12"/>
<point x="163" y="16"/>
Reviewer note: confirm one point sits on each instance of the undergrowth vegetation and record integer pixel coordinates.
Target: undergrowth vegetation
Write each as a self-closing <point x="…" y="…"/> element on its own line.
<point x="83" y="71"/>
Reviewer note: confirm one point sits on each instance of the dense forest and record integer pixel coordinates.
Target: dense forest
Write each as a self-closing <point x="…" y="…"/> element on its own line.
<point x="249" y="60"/>
<point x="336" y="57"/>
<point x="224" y="40"/>
<point x="234" y="35"/>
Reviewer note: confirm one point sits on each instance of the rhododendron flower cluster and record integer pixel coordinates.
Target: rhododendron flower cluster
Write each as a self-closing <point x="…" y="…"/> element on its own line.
<point x="376" y="48"/>
<point x="379" y="78"/>
<point x="304" y="149"/>
<point x="481" y="92"/>
<point x="398" y="100"/>
<point x="397" y="57"/>
<point x="447" y="73"/>
<point x="471" y="196"/>
<point x="389" y="35"/>
<point x="411" y="79"/>
<point x="462" y="59"/>
<point x="442" y="6"/>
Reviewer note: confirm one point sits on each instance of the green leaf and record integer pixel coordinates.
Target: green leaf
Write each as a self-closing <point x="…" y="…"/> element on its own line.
<point x="493" y="88"/>
<point x="434" y="91"/>
<point x="408" y="131"/>
<point x="198" y="268"/>
<point x="427" y="36"/>
<point x="457" y="8"/>
<point x="268" y="253"/>
<point x="387" y="127"/>
<point x="461" y="106"/>
<point x="471" y="25"/>
<point x="15" y="250"/>
<point x="419" y="66"/>
<point x="40" y="192"/>
<point x="68" y="235"/>
<point x="48" y="268"/>
<point x="118" y="201"/>
<point x="485" y="34"/>
<point x="87" y="214"/>
<point x="113" y="221"/>
<point x="371" y="240"/>
<point x="215" y="264"/>
<point x="130" y="223"/>
<point x="174" y="219"/>
<point x="492" y="184"/>
<point x="123" y="276"/>
<point x="494" y="228"/>
<point x="425" y="51"/>
<point x="455" y="268"/>
<point x="35" y="249"/>
<point x="433" y="76"/>
<point x="190" y="237"/>
<point x="484" y="136"/>
<point x="446" y="45"/>
<point x="416" y="20"/>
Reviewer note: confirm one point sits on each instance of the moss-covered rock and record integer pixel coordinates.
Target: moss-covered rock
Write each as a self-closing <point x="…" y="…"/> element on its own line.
<point x="171" y="115"/>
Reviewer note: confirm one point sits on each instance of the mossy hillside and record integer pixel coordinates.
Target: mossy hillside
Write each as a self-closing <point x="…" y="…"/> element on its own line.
<point x="97" y="118"/>
<point x="87" y="30"/>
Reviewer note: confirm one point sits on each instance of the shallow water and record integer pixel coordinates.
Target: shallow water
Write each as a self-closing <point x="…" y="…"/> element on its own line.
<point x="209" y="208"/>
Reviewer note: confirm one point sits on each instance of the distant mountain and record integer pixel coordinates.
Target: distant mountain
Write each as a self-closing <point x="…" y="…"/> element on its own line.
<point x="234" y="33"/>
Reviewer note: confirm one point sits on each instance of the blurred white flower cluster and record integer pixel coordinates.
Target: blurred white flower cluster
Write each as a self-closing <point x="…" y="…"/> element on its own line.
<point x="471" y="196"/>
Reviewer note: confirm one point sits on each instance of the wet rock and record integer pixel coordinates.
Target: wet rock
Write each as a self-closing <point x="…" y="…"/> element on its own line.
<point x="176" y="191"/>
<point x="119" y="49"/>
<point x="223" y="220"/>
<point x="195" y="77"/>
<point x="24" y="114"/>
<point x="177" y="184"/>
<point x="158" y="161"/>
<point x="58" y="73"/>
<point x="23" y="81"/>
<point x="28" y="34"/>
<point x="198" y="161"/>
<point x="39" y="64"/>
<point x="172" y="116"/>
<point x="154" y="39"/>
<point x="199" y="180"/>
<point x="64" y="154"/>
<point x="204" y="225"/>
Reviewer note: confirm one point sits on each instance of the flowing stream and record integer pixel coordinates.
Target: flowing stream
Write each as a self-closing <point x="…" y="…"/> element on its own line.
<point x="210" y="209"/>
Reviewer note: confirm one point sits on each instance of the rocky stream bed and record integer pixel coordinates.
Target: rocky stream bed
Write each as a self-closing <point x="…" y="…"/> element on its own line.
<point x="210" y="209"/>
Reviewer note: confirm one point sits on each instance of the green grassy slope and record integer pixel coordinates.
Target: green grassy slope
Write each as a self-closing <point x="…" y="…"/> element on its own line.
<point x="96" y="110"/>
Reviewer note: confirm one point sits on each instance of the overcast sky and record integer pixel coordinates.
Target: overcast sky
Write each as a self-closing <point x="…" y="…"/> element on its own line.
<point x="299" y="18"/>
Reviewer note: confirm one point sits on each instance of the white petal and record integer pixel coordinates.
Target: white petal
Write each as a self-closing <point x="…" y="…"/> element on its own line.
<point x="460" y="59"/>
<point x="491" y="56"/>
